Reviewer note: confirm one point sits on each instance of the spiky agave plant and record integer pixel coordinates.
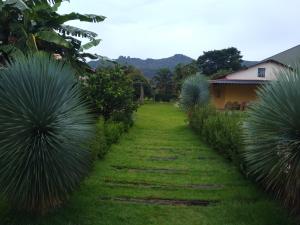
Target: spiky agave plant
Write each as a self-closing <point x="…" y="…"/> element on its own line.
<point x="44" y="123"/>
<point x="272" y="134"/>
<point x="194" y="92"/>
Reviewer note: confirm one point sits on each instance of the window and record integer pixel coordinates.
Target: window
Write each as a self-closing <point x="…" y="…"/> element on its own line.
<point x="261" y="72"/>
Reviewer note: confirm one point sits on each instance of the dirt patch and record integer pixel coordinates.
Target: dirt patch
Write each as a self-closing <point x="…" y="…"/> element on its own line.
<point x="134" y="184"/>
<point x="151" y="170"/>
<point x="159" y="201"/>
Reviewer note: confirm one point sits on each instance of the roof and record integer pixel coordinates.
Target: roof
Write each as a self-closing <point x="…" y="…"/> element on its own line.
<point x="288" y="57"/>
<point x="227" y="81"/>
<point x="256" y="64"/>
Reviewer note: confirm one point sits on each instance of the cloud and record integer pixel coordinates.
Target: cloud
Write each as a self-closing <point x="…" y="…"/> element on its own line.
<point x="160" y="28"/>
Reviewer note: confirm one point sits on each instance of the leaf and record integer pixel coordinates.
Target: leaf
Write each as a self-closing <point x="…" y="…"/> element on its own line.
<point x="56" y="5"/>
<point x="77" y="16"/>
<point x="77" y="32"/>
<point x="21" y="5"/>
<point x="90" y="44"/>
<point x="53" y="37"/>
<point x="89" y="55"/>
<point x="11" y="51"/>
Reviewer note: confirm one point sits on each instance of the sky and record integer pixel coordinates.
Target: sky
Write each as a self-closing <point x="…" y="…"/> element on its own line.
<point x="162" y="28"/>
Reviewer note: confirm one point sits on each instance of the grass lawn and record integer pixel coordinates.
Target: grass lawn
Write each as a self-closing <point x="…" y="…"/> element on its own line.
<point x="159" y="161"/>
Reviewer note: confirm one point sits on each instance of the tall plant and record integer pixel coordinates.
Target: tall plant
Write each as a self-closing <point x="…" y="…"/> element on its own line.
<point x="32" y="25"/>
<point x="110" y="93"/>
<point x="272" y="134"/>
<point x="44" y="125"/>
<point x="194" y="92"/>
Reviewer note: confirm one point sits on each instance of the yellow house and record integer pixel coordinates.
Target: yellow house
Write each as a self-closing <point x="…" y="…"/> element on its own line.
<point x="239" y="88"/>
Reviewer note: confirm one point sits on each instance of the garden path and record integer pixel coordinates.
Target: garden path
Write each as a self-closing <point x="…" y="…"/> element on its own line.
<point x="162" y="174"/>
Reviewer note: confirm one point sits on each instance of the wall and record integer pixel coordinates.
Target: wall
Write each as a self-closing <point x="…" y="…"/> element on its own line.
<point x="251" y="73"/>
<point x="223" y="93"/>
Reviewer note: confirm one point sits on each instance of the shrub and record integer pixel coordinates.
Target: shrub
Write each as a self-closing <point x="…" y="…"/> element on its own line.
<point x="194" y="92"/>
<point x="110" y="93"/>
<point x="99" y="146"/>
<point x="199" y="115"/>
<point x="220" y="130"/>
<point x="223" y="132"/>
<point x="107" y="133"/>
<point x="44" y="123"/>
<point x="273" y="137"/>
<point x="113" y="131"/>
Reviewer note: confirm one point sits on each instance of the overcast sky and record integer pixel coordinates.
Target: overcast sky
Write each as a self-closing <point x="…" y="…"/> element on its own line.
<point x="162" y="28"/>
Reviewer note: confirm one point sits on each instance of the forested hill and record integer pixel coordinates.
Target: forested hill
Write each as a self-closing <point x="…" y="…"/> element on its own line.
<point x="149" y="66"/>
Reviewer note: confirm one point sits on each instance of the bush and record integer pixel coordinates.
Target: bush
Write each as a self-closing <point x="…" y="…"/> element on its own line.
<point x="194" y="92"/>
<point x="110" y="93"/>
<point x="198" y="116"/>
<point x="273" y="138"/>
<point x="99" y="146"/>
<point x="126" y="119"/>
<point x="223" y="132"/>
<point x="44" y="123"/>
<point x="107" y="133"/>
<point x="220" y="130"/>
<point x="113" y="131"/>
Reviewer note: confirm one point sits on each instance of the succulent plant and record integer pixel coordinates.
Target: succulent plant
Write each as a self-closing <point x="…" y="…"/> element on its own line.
<point x="194" y="92"/>
<point x="272" y="134"/>
<point x="44" y="125"/>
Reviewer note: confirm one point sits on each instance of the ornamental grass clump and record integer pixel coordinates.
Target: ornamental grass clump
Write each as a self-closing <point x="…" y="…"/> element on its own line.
<point x="194" y="92"/>
<point x="44" y="127"/>
<point x="272" y="134"/>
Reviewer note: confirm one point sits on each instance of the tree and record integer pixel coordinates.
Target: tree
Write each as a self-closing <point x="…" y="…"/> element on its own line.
<point x="29" y="26"/>
<point x="110" y="93"/>
<point x="225" y="59"/>
<point x="182" y="72"/>
<point x="141" y="84"/>
<point x="163" y="85"/>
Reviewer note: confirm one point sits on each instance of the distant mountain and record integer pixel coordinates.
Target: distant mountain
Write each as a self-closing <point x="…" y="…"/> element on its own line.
<point x="148" y="66"/>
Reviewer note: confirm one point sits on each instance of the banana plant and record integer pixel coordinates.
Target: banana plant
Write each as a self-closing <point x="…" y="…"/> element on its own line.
<point x="35" y="25"/>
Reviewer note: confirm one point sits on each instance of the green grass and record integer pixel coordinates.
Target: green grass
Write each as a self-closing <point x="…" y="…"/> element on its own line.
<point x="160" y="131"/>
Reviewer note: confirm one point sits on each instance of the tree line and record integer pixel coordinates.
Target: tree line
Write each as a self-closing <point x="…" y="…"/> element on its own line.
<point x="166" y="84"/>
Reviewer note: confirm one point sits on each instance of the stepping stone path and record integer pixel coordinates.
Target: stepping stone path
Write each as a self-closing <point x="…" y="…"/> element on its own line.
<point x="161" y="172"/>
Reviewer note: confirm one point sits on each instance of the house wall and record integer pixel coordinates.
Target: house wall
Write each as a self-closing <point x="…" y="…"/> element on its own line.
<point x="252" y="72"/>
<point x="223" y="93"/>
